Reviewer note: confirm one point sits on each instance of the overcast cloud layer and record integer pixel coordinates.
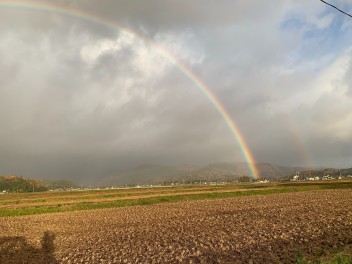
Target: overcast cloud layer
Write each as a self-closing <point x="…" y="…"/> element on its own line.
<point x="79" y="100"/>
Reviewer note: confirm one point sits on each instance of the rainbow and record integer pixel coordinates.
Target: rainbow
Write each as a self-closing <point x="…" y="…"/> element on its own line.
<point x="294" y="127"/>
<point x="75" y="13"/>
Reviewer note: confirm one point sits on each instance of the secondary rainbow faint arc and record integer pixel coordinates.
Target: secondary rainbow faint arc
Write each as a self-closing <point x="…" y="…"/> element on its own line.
<point x="55" y="8"/>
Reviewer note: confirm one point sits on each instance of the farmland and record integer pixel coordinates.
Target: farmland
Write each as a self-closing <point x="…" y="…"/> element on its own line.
<point x="242" y="223"/>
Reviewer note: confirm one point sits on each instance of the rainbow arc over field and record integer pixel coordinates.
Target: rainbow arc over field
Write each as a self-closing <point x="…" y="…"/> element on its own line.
<point x="75" y="13"/>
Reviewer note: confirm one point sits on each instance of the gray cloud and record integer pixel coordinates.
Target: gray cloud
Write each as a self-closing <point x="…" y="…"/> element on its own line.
<point x="79" y="100"/>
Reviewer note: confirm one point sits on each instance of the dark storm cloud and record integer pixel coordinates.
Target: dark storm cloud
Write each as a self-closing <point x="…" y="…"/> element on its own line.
<point x="66" y="115"/>
<point x="158" y="14"/>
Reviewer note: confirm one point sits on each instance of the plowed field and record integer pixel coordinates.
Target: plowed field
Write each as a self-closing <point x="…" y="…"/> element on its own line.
<point x="255" y="229"/>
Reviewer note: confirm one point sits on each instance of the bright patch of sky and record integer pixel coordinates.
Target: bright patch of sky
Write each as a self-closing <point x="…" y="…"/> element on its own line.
<point x="322" y="38"/>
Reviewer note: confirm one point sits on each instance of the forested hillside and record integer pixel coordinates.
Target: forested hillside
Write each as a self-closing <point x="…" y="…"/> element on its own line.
<point x="19" y="184"/>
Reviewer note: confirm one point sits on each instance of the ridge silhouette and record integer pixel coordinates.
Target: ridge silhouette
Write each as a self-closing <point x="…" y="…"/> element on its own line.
<point x="16" y="249"/>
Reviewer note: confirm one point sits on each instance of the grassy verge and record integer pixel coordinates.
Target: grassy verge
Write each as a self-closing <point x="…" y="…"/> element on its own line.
<point x="339" y="256"/>
<point x="88" y="205"/>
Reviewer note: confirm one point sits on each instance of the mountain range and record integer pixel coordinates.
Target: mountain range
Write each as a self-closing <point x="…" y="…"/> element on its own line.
<point x="218" y="171"/>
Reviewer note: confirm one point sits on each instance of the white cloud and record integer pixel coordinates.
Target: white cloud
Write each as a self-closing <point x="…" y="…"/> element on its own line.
<point x="183" y="45"/>
<point x="92" y="51"/>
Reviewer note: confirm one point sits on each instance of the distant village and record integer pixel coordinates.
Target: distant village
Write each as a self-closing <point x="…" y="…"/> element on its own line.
<point x="312" y="175"/>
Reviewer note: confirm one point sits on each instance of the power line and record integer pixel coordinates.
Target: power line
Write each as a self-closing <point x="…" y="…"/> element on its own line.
<point x="336" y="8"/>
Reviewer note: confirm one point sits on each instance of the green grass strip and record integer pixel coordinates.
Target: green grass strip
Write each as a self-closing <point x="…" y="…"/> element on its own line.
<point x="33" y="210"/>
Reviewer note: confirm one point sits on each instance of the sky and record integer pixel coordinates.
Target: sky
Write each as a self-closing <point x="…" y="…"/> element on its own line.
<point x="82" y="99"/>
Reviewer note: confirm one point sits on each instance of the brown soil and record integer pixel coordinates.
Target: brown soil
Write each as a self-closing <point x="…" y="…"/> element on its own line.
<point x="99" y="199"/>
<point x="255" y="229"/>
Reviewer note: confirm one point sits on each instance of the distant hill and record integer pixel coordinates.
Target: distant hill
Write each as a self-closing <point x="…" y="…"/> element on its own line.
<point x="150" y="174"/>
<point x="270" y="171"/>
<point x="19" y="184"/>
<point x="219" y="171"/>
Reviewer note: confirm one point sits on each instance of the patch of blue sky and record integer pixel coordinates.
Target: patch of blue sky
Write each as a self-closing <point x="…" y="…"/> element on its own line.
<point x="293" y="22"/>
<point x="334" y="38"/>
<point x="321" y="39"/>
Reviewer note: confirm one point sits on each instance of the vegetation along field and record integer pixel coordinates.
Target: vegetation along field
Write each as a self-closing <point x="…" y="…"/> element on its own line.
<point x="242" y="223"/>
